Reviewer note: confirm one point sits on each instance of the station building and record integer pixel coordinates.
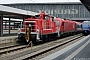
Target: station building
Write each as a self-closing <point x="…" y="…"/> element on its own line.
<point x="68" y="10"/>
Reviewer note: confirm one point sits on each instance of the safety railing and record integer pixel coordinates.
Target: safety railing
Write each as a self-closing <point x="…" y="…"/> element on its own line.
<point x="44" y="26"/>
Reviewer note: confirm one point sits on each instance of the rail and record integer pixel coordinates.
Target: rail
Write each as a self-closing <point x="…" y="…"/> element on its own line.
<point x="26" y="52"/>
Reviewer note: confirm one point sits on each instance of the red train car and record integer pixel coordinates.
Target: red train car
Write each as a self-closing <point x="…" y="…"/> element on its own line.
<point x="65" y="26"/>
<point x="44" y="28"/>
<point x="78" y="27"/>
<point x="69" y="26"/>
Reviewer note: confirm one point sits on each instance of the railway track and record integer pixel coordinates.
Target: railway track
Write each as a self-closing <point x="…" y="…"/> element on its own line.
<point x="11" y="48"/>
<point x="28" y="53"/>
<point x="9" y="44"/>
<point x="8" y="47"/>
<point x="47" y="53"/>
<point x="33" y="56"/>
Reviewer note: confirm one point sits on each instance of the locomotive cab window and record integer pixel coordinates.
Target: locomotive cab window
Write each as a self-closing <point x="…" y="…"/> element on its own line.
<point x="46" y="17"/>
<point x="62" y="23"/>
<point x="37" y="16"/>
<point x="57" y="23"/>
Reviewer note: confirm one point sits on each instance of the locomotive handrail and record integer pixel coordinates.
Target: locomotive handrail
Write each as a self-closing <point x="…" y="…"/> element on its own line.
<point x="47" y="25"/>
<point x="32" y="29"/>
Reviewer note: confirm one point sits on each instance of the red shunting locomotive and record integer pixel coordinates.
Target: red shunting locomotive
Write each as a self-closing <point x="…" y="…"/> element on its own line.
<point x="38" y="28"/>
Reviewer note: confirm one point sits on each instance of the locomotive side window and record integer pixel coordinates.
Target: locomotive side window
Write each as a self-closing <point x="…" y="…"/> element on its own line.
<point x="37" y="16"/>
<point x="62" y="23"/>
<point x="46" y="17"/>
<point x="57" y="23"/>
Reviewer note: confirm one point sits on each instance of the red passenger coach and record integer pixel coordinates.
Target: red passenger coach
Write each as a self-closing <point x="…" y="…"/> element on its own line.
<point x="78" y="27"/>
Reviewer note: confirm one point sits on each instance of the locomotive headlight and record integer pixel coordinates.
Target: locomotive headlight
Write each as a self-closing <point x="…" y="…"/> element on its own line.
<point x="37" y="30"/>
<point x="29" y="25"/>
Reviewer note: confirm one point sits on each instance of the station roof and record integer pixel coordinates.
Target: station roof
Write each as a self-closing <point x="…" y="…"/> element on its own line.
<point x="14" y="12"/>
<point x="86" y="3"/>
<point x="46" y="3"/>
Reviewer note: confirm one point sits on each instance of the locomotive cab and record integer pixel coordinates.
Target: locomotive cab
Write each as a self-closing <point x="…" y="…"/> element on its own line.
<point x="86" y="27"/>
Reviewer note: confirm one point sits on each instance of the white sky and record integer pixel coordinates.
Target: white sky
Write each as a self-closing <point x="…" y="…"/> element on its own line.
<point x="34" y="1"/>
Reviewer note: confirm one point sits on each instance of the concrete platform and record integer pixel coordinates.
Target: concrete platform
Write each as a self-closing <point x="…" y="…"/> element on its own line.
<point x="77" y="51"/>
<point x="7" y="39"/>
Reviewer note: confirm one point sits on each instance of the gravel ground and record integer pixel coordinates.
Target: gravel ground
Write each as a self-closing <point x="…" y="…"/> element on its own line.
<point x="55" y="50"/>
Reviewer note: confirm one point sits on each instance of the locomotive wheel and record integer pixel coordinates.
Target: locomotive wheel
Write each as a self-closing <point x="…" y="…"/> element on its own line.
<point x="33" y="39"/>
<point x="52" y="37"/>
<point x="44" y="38"/>
<point x="49" y="38"/>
